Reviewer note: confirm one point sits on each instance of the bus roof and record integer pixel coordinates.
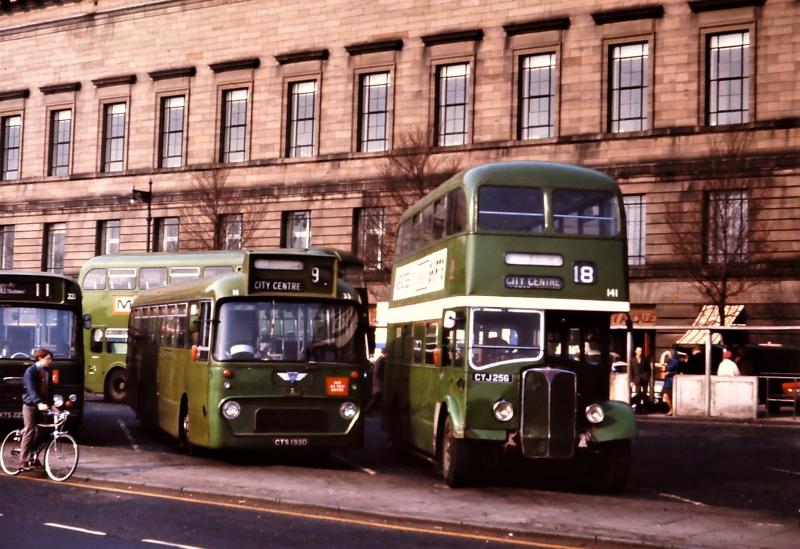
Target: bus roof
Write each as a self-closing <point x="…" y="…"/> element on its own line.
<point x="36" y="274"/>
<point x="203" y="258"/>
<point x="543" y="174"/>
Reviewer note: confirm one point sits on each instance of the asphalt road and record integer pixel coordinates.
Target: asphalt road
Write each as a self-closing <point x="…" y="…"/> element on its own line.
<point x="737" y="466"/>
<point x="51" y="515"/>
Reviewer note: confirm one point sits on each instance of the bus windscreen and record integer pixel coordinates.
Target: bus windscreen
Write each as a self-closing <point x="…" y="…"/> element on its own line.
<point x="25" y="329"/>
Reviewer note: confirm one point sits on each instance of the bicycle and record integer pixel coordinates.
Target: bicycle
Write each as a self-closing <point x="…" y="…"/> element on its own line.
<point x="60" y="449"/>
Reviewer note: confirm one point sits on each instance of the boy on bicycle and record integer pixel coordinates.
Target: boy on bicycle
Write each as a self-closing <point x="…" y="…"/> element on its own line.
<point x="36" y="382"/>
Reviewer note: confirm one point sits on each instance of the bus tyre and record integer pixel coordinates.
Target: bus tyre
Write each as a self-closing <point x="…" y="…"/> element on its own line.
<point x="611" y="466"/>
<point x="116" y="385"/>
<point x="184" y="445"/>
<point x="454" y="457"/>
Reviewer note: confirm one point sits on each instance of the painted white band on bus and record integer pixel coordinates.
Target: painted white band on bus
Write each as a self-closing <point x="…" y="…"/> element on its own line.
<point x="432" y="310"/>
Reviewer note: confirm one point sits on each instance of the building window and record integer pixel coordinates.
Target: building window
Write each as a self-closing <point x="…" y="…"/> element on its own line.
<point x="728" y="78"/>
<point x="165" y="234"/>
<point x="6" y="247"/>
<point x="628" y="108"/>
<point x="234" y="125"/>
<point x="114" y="137"/>
<point x="55" y="235"/>
<point x="537" y="93"/>
<point x="231" y="231"/>
<point x="172" y="116"/>
<point x="296" y="230"/>
<point x="369" y="229"/>
<point x="10" y="143"/>
<point x="373" y="129"/>
<point x="452" y="93"/>
<point x="107" y="237"/>
<point x="300" y="127"/>
<point x="60" y="136"/>
<point x="636" y="216"/>
<point x="727" y="226"/>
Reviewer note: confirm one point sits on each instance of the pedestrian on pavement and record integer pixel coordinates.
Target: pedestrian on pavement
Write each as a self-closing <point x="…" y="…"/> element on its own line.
<point x="673" y="367"/>
<point x="727" y="367"/>
<point x="35" y="398"/>
<point x="377" y="381"/>
<point x="640" y="372"/>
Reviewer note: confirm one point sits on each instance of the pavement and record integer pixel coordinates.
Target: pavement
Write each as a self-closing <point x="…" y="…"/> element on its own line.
<point x="348" y="488"/>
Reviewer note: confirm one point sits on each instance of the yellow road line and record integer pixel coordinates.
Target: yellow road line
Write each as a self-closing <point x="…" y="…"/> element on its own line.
<point x="311" y="516"/>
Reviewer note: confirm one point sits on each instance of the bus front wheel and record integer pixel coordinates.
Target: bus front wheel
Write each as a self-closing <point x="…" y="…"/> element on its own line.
<point x="183" y="429"/>
<point x="454" y="458"/>
<point x="611" y="466"/>
<point x="116" y="385"/>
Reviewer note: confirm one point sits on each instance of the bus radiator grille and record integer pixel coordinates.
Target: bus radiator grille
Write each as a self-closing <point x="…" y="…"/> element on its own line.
<point x="291" y="421"/>
<point x="548" y="413"/>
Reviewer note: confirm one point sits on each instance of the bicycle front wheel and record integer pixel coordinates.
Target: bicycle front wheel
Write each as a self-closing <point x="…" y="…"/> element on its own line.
<point x="10" y="453"/>
<point x="61" y="457"/>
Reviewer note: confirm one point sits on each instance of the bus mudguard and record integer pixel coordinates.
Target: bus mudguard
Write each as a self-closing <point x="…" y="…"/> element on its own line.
<point x="456" y="412"/>
<point x="619" y="423"/>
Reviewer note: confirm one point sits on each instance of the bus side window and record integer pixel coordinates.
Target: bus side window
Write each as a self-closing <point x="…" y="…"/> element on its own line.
<point x="406" y="343"/>
<point x="439" y="217"/>
<point x="418" y="337"/>
<point x="96" y="345"/>
<point x="431" y="331"/>
<point x="182" y="326"/>
<point x="456" y="212"/>
<point x="95" y="280"/>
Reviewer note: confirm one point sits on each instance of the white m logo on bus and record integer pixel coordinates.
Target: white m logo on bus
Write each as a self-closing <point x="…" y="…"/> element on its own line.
<point x="122" y="304"/>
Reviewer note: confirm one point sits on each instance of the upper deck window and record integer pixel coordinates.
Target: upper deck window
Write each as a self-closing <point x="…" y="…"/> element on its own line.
<point x="95" y="280"/>
<point x="511" y="209"/>
<point x="121" y="279"/>
<point x="152" y="277"/>
<point x="585" y="213"/>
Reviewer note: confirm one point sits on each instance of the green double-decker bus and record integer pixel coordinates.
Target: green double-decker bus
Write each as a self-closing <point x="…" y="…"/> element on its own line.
<point x="274" y="355"/>
<point x="40" y="310"/>
<point x="109" y="284"/>
<point x="504" y="282"/>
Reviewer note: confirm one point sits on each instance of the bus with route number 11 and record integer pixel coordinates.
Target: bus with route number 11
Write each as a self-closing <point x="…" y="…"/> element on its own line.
<point x="504" y="281"/>
<point x="274" y="355"/>
<point x="40" y="310"/>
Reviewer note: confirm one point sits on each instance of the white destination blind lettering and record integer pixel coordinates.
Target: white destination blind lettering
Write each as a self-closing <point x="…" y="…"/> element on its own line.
<point x="534" y="282"/>
<point x="423" y="276"/>
<point x="277" y="286"/>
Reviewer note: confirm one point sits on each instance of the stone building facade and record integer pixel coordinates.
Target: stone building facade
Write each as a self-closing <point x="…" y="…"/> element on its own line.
<point x="294" y="107"/>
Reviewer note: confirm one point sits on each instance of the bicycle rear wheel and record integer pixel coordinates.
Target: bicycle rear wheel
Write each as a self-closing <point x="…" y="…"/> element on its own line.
<point x="61" y="457"/>
<point x="10" y="453"/>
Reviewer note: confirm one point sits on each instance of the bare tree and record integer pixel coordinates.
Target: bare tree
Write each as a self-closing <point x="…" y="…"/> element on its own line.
<point x="714" y="232"/>
<point x="413" y="168"/>
<point x="213" y="207"/>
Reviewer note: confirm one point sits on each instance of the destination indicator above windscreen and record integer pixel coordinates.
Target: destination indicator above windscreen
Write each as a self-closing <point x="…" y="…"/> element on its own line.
<point x="27" y="290"/>
<point x="290" y="274"/>
<point x="534" y="282"/>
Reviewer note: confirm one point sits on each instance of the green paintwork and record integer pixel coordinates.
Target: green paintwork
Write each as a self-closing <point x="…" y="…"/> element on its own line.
<point x="619" y="423"/>
<point x="475" y="266"/>
<point x="254" y="385"/>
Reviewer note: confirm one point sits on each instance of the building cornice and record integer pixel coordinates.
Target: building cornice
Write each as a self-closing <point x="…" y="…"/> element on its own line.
<point x="300" y="56"/>
<point x="172" y="73"/>
<point x="374" y="47"/>
<point x="539" y="25"/>
<point x="60" y="88"/>
<point x="699" y="6"/>
<point x="473" y="35"/>
<point x="126" y="79"/>
<point x="236" y="64"/>
<point x="605" y="17"/>
<point x="15" y="94"/>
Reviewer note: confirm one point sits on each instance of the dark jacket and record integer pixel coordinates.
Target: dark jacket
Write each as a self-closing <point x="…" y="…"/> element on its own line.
<point x="32" y="382"/>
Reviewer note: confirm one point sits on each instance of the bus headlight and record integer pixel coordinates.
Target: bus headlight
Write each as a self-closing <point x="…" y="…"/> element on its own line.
<point x="58" y="401"/>
<point x="503" y="410"/>
<point x="73" y="398"/>
<point x="348" y="410"/>
<point x="231" y="409"/>
<point x="594" y="413"/>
